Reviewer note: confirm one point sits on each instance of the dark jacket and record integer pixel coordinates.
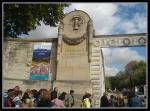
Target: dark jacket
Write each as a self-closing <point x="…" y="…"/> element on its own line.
<point x="104" y="101"/>
<point x="44" y="103"/>
<point x="53" y="95"/>
<point x="135" y="101"/>
<point x="9" y="103"/>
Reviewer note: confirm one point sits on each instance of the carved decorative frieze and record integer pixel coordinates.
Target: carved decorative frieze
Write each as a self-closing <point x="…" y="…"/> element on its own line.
<point x="73" y="41"/>
<point x="126" y="42"/>
<point x="119" y="41"/>
<point x="142" y="40"/>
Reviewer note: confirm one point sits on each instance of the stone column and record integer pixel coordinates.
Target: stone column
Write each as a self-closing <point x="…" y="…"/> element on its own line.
<point x="59" y="40"/>
<point x="97" y="75"/>
<point x="90" y="37"/>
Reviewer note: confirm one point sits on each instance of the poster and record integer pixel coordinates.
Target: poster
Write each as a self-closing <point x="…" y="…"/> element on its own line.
<point x="40" y="62"/>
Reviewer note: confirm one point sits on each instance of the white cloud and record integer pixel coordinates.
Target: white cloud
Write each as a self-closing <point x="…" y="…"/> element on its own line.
<point x="111" y="71"/>
<point x="138" y="24"/>
<point x="119" y="56"/>
<point x="103" y="18"/>
<point x="43" y="31"/>
<point x="101" y="14"/>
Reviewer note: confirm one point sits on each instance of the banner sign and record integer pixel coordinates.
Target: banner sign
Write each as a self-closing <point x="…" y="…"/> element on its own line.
<point x="40" y="62"/>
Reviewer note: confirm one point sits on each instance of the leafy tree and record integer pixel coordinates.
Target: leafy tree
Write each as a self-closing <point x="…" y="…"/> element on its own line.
<point x="107" y="83"/>
<point x="21" y="18"/>
<point x="133" y="75"/>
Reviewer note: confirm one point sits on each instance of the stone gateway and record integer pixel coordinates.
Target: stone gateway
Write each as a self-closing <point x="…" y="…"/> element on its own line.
<point x="76" y="60"/>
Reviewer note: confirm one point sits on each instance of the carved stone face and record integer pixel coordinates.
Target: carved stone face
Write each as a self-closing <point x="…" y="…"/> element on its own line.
<point x="76" y="23"/>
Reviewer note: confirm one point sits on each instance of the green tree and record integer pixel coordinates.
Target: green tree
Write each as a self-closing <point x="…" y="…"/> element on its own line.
<point x="21" y="18"/>
<point x="107" y="83"/>
<point x="133" y="75"/>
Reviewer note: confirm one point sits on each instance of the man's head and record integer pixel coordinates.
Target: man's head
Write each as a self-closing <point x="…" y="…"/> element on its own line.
<point x="16" y="88"/>
<point x="56" y="89"/>
<point x="71" y="92"/>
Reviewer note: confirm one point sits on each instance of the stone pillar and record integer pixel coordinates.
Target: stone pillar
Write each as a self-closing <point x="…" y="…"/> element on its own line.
<point x="73" y="67"/>
<point x="97" y="75"/>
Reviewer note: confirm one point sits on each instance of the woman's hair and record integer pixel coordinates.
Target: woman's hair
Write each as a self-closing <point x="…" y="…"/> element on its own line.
<point x="71" y="91"/>
<point x="62" y="96"/>
<point x="34" y="92"/>
<point x="44" y="94"/>
<point x="29" y="102"/>
<point x="88" y="95"/>
<point x="112" y="96"/>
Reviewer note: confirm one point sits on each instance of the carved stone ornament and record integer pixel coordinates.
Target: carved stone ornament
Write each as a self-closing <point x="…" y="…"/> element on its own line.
<point x="76" y="22"/>
<point x="142" y="40"/>
<point x="73" y="41"/>
<point x="126" y="41"/>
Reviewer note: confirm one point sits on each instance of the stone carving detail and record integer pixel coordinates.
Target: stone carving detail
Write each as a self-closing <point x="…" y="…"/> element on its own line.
<point x="73" y="41"/>
<point x="126" y="41"/>
<point x="76" y="22"/>
<point x="142" y="40"/>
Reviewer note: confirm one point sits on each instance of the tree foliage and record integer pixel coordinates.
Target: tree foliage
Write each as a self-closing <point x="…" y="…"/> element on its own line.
<point x="133" y="75"/>
<point x="21" y="18"/>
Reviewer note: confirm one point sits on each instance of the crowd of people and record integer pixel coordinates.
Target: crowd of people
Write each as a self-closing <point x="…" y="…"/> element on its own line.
<point x="33" y="98"/>
<point x="118" y="101"/>
<point x="44" y="98"/>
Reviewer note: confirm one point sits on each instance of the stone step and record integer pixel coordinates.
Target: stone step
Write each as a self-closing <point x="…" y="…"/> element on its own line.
<point x="96" y="93"/>
<point x="95" y="63"/>
<point x="95" y="81"/>
<point x="96" y="88"/>
<point x="94" y="69"/>
<point x="96" y="84"/>
<point x="95" y="75"/>
<point x="95" y="72"/>
<point x="95" y="54"/>
<point x="95" y="49"/>
<point x="94" y="60"/>
<point x="96" y="98"/>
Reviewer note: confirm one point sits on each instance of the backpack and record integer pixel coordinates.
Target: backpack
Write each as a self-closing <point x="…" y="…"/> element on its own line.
<point x="83" y="104"/>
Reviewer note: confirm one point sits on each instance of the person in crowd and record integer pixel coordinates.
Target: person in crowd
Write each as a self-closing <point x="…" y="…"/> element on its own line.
<point x="26" y="94"/>
<point x="5" y="96"/>
<point x="16" y="88"/>
<point x="70" y="99"/>
<point x="45" y="100"/>
<point x="115" y="101"/>
<point x="54" y="93"/>
<point x="86" y="101"/>
<point x="34" y="97"/>
<point x="112" y="101"/>
<point x="29" y="95"/>
<point x="104" y="100"/>
<point x="121" y="101"/>
<point x="17" y="99"/>
<point x="26" y="103"/>
<point x="134" y="100"/>
<point x="9" y="100"/>
<point x="60" y="101"/>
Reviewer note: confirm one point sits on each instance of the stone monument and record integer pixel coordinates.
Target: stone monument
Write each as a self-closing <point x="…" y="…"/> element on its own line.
<point x="73" y="63"/>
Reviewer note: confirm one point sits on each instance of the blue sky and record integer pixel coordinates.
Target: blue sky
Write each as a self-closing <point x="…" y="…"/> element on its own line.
<point x="128" y="11"/>
<point x="108" y="18"/>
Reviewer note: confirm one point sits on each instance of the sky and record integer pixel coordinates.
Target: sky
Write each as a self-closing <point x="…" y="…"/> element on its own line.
<point x="43" y="45"/>
<point x="109" y="18"/>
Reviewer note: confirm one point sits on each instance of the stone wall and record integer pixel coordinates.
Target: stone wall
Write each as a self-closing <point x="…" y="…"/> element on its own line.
<point x="17" y="58"/>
